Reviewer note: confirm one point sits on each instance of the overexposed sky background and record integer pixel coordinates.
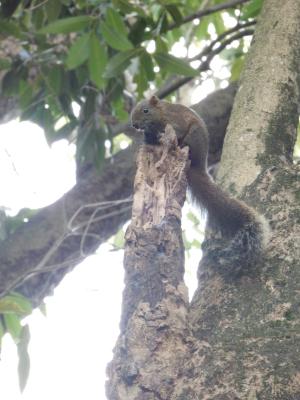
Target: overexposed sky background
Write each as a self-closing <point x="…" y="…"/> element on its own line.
<point x="69" y="348"/>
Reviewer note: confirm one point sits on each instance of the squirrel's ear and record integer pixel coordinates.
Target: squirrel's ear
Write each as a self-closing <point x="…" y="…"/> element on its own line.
<point x="154" y="100"/>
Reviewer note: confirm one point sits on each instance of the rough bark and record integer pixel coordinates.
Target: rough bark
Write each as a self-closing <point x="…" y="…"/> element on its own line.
<point x="243" y="332"/>
<point x="154" y="339"/>
<point x="247" y="330"/>
<point x="24" y="251"/>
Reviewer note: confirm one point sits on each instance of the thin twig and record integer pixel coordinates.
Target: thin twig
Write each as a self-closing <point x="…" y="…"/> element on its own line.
<point x="203" y="67"/>
<point x="222" y="46"/>
<point x="38" y="5"/>
<point x="209" y="48"/>
<point x="100" y="206"/>
<point x="41" y="267"/>
<point x="103" y="217"/>
<point x="207" y="11"/>
<point x="55" y="267"/>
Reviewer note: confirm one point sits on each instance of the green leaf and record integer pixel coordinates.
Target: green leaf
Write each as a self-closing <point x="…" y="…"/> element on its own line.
<point x="144" y="74"/>
<point x="175" y="13"/>
<point x="54" y="78"/>
<point x="193" y="218"/>
<point x="218" y="22"/>
<point x="97" y="61"/>
<point x="161" y="25"/>
<point x="114" y="20"/>
<point x="252" y="9"/>
<point x="13" y="325"/>
<point x="142" y="83"/>
<point x="25" y="93"/>
<point x="119" y="109"/>
<point x="9" y="28"/>
<point x="120" y="62"/>
<point x="161" y="45"/>
<point x="67" y="25"/>
<point x="147" y="66"/>
<point x="118" y="240"/>
<point x="79" y="52"/>
<point x="38" y="17"/>
<point x="201" y="31"/>
<point x="90" y="146"/>
<point x="187" y="244"/>
<point x="53" y="9"/>
<point x="128" y="8"/>
<point x="196" y="243"/>
<point x="174" y="65"/>
<point x="24" y="359"/>
<point x="114" y="38"/>
<point x="115" y="87"/>
<point x="15" y="303"/>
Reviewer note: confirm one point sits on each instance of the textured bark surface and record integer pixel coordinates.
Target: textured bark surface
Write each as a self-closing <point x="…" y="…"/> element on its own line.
<point x="243" y="333"/>
<point x="153" y="345"/>
<point x="29" y="248"/>
<point x="265" y="116"/>
<point x="248" y="330"/>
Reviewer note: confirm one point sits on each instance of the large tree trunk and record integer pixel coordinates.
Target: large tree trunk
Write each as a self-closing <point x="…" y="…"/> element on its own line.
<point x="248" y="330"/>
<point x="240" y="338"/>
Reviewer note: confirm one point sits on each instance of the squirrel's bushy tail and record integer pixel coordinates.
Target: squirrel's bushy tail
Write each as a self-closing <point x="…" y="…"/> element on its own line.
<point x="247" y="246"/>
<point x="244" y="232"/>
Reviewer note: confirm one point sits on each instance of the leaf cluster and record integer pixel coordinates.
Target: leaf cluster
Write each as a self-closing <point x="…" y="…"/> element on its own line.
<point x="94" y="55"/>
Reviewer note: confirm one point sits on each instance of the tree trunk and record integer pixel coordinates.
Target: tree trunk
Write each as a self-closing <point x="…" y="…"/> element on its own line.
<point x="153" y="344"/>
<point x="240" y="337"/>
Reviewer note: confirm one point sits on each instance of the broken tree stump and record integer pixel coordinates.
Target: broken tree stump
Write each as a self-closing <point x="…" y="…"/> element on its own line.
<point x="154" y="339"/>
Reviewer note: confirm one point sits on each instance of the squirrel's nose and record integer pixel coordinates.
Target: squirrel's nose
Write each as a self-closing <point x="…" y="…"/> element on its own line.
<point x="135" y="125"/>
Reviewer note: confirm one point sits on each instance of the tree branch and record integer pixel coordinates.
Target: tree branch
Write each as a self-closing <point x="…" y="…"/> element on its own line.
<point x="209" y="48"/>
<point x="22" y="254"/>
<point x="46" y="239"/>
<point x="208" y="11"/>
<point x="204" y="66"/>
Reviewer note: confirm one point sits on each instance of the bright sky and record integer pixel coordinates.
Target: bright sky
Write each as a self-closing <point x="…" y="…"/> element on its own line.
<point x="70" y="348"/>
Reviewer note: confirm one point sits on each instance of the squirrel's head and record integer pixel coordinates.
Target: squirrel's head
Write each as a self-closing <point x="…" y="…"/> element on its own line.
<point x="147" y="116"/>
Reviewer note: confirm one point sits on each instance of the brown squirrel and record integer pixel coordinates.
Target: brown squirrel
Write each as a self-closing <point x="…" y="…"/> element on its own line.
<point x="237" y="222"/>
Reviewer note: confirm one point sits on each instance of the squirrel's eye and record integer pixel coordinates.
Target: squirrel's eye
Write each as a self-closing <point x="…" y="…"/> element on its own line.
<point x="145" y="110"/>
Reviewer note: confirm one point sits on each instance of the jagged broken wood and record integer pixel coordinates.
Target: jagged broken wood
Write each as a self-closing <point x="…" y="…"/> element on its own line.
<point x="154" y="340"/>
<point x="160" y="182"/>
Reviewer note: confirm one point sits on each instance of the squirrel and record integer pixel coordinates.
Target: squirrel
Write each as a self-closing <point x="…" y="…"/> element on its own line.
<point x="239" y="224"/>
